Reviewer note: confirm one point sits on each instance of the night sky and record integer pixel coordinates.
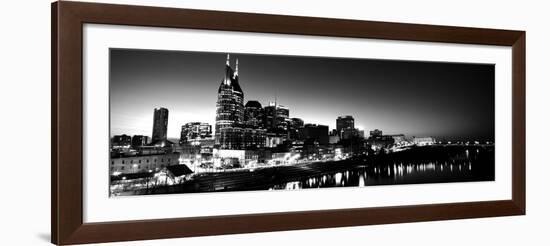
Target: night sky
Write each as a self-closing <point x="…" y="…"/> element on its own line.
<point x="450" y="100"/>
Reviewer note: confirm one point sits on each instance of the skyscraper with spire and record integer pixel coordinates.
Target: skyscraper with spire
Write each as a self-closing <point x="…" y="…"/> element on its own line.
<point x="230" y="110"/>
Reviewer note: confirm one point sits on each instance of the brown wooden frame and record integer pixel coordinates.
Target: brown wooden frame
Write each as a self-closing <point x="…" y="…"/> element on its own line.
<point x="66" y="219"/>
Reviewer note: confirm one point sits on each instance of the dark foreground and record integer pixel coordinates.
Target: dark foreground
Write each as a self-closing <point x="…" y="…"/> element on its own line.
<point x="430" y="164"/>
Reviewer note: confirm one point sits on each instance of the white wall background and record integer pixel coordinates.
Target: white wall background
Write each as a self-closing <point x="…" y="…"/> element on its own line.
<point x="25" y="122"/>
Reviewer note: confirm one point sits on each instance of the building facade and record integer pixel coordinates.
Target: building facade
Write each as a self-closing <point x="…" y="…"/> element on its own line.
<point x="316" y="133"/>
<point x="423" y="141"/>
<point x="375" y="133"/>
<point x="142" y="163"/>
<point x="139" y="141"/>
<point x="345" y="128"/>
<point x="254" y="138"/>
<point x="193" y="132"/>
<point x="160" y="125"/>
<point x="379" y="141"/>
<point x="254" y="115"/>
<point x="273" y="140"/>
<point x="333" y="137"/>
<point x="235" y="158"/>
<point x="229" y="111"/>
<point x="344" y="122"/>
<point x="399" y="139"/>
<point x="295" y="124"/>
<point x="276" y="119"/>
<point x="121" y="141"/>
<point x="282" y="120"/>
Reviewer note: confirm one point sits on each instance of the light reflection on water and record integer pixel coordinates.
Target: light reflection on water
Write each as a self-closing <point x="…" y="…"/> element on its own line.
<point x="398" y="173"/>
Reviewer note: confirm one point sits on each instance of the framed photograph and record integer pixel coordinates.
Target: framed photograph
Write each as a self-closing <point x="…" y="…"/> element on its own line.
<point x="174" y="122"/>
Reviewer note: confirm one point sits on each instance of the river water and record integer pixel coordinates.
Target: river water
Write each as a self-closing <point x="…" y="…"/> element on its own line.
<point x="458" y="165"/>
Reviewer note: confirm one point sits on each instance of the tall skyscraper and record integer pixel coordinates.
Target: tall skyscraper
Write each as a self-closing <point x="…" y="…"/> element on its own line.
<point x="230" y="110"/>
<point x="160" y="124"/>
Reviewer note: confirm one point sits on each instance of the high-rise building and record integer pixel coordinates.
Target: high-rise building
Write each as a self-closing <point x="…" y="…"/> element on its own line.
<point x="276" y="118"/>
<point x="294" y="128"/>
<point x="270" y="115"/>
<point x="254" y="114"/>
<point x="160" y="125"/>
<point x="282" y="118"/>
<point x="195" y="131"/>
<point x="343" y="123"/>
<point x="230" y="110"/>
<point x="316" y="133"/>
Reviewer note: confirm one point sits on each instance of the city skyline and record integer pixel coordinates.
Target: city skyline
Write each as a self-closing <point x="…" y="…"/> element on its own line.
<point x="387" y="98"/>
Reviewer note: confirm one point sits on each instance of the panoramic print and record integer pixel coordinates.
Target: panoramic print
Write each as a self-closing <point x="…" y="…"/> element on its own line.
<point x="191" y="122"/>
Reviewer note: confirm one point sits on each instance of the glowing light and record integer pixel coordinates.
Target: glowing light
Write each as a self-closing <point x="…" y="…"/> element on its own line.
<point x="338" y="178"/>
<point x="293" y="185"/>
<point x="361" y="181"/>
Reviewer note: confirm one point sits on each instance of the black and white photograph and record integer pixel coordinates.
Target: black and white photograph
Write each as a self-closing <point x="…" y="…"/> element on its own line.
<point x="275" y="123"/>
<point x="193" y="122"/>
